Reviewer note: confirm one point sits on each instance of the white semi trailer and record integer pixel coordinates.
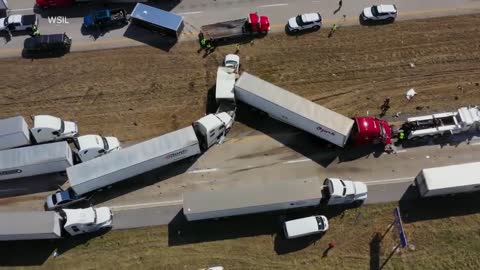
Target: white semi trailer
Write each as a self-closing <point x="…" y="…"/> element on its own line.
<point x="123" y="164"/>
<point x="271" y="196"/>
<point x="14" y="131"/>
<point x="16" y="226"/>
<point x="35" y="160"/>
<point x="294" y="110"/>
<point x="449" y="180"/>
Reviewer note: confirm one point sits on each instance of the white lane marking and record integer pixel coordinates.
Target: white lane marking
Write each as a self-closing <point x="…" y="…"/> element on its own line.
<point x="391" y="180"/>
<point x="21" y="9"/>
<point x="190" y="13"/>
<point x="297" y="161"/>
<point x="11" y="189"/>
<point x="477" y="143"/>
<point x="204" y="170"/>
<point x="401" y="151"/>
<point x="146" y="205"/>
<point x="274" y="5"/>
<point x="317" y="1"/>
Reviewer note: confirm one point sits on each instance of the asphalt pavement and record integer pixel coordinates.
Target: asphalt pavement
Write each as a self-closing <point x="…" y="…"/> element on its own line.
<point x="200" y="12"/>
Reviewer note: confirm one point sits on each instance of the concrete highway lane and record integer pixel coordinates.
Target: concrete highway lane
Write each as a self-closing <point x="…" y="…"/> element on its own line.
<point x="200" y="12"/>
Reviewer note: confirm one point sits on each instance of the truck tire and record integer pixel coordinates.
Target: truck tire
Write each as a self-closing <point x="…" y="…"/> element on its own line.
<point x="316" y="28"/>
<point x="29" y="29"/>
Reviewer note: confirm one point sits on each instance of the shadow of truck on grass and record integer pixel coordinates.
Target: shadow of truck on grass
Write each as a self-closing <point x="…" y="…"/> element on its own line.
<point x="37" y="252"/>
<point x="414" y="208"/>
<point x="183" y="232"/>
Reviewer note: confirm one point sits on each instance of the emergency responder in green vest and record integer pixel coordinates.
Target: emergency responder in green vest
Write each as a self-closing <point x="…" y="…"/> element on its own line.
<point x="401" y="136"/>
<point x="35" y="31"/>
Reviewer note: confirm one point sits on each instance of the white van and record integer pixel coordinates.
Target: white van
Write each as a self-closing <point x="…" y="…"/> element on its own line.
<point x="305" y="226"/>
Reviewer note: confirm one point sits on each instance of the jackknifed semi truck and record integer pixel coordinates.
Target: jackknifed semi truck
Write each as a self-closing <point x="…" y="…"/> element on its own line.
<point x="448" y="180"/>
<point x="35" y="160"/>
<point x="313" y="118"/>
<point x="16" y="226"/>
<point x="140" y="158"/>
<point x="14" y="131"/>
<point x="278" y="195"/>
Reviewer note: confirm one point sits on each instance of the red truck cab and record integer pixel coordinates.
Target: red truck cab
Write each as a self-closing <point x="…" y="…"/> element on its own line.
<point x="371" y="130"/>
<point x="258" y="24"/>
<point x="55" y="3"/>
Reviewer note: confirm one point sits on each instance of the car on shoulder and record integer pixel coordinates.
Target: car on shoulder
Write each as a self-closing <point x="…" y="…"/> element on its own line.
<point x="304" y="22"/>
<point x="55" y="43"/>
<point x="379" y="13"/>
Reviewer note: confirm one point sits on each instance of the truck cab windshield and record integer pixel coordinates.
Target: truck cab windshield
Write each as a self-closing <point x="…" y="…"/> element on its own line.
<point x="320" y="223"/>
<point x="105" y="143"/>
<point x="62" y="126"/>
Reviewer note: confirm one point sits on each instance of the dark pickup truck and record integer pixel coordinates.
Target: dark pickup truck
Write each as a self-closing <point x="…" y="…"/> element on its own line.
<point x="106" y="18"/>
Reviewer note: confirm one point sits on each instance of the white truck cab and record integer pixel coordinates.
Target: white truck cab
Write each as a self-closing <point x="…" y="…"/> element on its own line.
<point x="212" y="128"/>
<point x="344" y="191"/>
<point x="305" y="226"/>
<point x="47" y="128"/>
<point x="79" y="221"/>
<point x="91" y="146"/>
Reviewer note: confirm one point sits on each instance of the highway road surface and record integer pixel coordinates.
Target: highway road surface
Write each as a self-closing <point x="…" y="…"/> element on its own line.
<point x="200" y="12"/>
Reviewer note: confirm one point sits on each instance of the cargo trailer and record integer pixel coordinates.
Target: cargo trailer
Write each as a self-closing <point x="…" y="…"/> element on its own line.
<point x="158" y="20"/>
<point x="294" y="110"/>
<point x="449" y="180"/>
<point x="268" y="196"/>
<point x="30" y="226"/>
<point x="14" y="132"/>
<point x="35" y="160"/>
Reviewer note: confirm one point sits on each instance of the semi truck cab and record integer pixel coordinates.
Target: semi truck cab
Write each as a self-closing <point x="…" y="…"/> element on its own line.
<point x="258" y="24"/>
<point x="92" y="146"/>
<point x="80" y="221"/>
<point x="48" y="128"/>
<point x="344" y="191"/>
<point x="371" y="130"/>
<point x="212" y="128"/>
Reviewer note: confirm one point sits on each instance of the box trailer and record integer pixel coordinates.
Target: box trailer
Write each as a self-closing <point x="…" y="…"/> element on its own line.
<point x="14" y="132"/>
<point x="157" y="19"/>
<point x="134" y="160"/>
<point x="35" y="160"/>
<point x="16" y="226"/>
<point x="449" y="180"/>
<point x="268" y="196"/>
<point x="294" y="110"/>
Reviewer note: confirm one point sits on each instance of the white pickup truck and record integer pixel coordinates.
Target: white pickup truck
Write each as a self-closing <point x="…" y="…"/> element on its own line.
<point x="15" y="23"/>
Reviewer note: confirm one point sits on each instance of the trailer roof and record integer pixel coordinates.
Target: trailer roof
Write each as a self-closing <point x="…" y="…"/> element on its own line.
<point x="130" y="156"/>
<point x="36" y="154"/>
<point x="23" y="225"/>
<point x="11" y="125"/>
<point x="252" y="194"/>
<point x="452" y="176"/>
<point x="296" y="104"/>
<point x="157" y="16"/>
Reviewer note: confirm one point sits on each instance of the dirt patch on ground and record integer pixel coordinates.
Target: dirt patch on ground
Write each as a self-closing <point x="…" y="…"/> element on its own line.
<point x="139" y="93"/>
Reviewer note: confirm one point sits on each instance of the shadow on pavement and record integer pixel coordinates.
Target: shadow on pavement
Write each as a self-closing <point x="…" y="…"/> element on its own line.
<point x="29" y="185"/>
<point x="96" y="32"/>
<point x="183" y="232"/>
<point x="36" y="252"/>
<point x="143" y="180"/>
<point x="414" y="208"/>
<point x="301" y="142"/>
<point x="150" y="38"/>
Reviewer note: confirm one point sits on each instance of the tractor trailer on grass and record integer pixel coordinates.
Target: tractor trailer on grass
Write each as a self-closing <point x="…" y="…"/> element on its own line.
<point x="271" y="196"/>
<point x="16" y="226"/>
<point x="448" y="180"/>
<point x="140" y="158"/>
